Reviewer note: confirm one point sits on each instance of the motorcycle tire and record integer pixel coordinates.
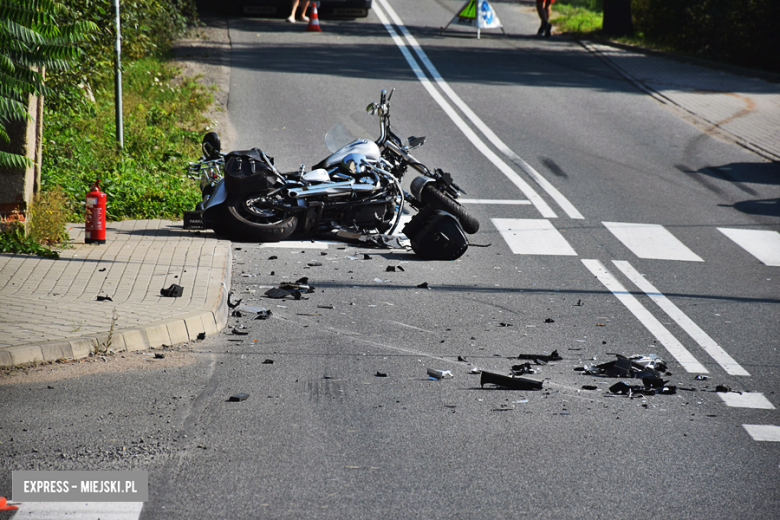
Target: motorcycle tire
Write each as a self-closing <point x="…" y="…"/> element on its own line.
<point x="242" y="223"/>
<point x="438" y="200"/>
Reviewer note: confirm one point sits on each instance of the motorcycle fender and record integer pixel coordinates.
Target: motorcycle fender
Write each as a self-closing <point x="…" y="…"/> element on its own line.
<point x="217" y="198"/>
<point x="418" y="184"/>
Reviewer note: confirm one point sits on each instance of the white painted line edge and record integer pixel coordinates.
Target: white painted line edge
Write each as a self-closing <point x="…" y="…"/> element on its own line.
<point x="755" y="400"/>
<point x="675" y="348"/>
<point x="694" y="331"/>
<point x="764" y="245"/>
<point x="763" y="432"/>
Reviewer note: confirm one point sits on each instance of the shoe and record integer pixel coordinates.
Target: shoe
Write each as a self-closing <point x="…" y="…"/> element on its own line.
<point x="305" y="18"/>
<point x="291" y="19"/>
<point x="547" y="30"/>
<point x="541" y="30"/>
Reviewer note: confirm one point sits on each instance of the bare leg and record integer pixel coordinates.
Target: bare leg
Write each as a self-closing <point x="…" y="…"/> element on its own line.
<point x="291" y="18"/>
<point x="304" y="11"/>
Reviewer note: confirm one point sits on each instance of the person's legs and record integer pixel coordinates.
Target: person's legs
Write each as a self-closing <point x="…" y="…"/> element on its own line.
<point x="304" y="11"/>
<point x="291" y="18"/>
<point x="543" y="8"/>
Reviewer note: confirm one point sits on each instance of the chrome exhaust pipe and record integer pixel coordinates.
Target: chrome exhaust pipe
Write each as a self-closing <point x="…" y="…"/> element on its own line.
<point x="335" y="188"/>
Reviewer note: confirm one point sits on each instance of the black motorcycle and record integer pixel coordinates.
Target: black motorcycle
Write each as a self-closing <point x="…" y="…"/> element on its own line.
<point x="354" y="192"/>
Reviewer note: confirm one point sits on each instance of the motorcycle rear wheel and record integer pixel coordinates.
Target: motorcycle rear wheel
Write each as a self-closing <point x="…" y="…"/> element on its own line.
<point x="244" y="221"/>
<point x="438" y="200"/>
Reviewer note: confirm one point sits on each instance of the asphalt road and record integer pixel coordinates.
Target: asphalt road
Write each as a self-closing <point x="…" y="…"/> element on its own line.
<point x="322" y="435"/>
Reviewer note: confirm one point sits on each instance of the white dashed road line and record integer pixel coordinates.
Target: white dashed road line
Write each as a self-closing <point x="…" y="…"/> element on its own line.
<point x="651" y="241"/>
<point x="764" y="245"/>
<point x="746" y="400"/>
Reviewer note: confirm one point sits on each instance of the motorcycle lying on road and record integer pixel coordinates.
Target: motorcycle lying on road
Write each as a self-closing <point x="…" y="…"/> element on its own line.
<point x="354" y="192"/>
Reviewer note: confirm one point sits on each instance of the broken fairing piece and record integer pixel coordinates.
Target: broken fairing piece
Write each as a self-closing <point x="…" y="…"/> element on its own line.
<point x="635" y="366"/>
<point x="525" y="368"/>
<point x="263" y="314"/>
<point x="542" y="359"/>
<point x="104" y="299"/>
<point x="515" y="383"/>
<point x="439" y="374"/>
<point x="383" y="241"/>
<point x="238" y="397"/>
<point x="174" y="291"/>
<point x="475" y="370"/>
<point x="289" y="289"/>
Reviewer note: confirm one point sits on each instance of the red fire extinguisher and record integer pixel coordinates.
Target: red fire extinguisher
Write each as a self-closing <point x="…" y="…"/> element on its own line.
<point x="95" y="225"/>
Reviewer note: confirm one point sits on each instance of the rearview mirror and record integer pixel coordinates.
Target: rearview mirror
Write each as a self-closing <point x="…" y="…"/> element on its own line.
<point x="416" y="142"/>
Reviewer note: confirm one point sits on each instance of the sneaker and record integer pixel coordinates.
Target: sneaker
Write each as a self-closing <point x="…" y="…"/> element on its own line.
<point x="304" y="18"/>
<point x="291" y="19"/>
<point x="547" y="30"/>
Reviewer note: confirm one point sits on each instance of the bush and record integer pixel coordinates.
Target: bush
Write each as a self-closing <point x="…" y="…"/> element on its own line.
<point x="163" y="124"/>
<point x="744" y="32"/>
<point x="49" y="217"/>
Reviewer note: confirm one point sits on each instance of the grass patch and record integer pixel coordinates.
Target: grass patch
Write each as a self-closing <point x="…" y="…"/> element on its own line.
<point x="577" y="17"/>
<point x="163" y="125"/>
<point x="14" y="240"/>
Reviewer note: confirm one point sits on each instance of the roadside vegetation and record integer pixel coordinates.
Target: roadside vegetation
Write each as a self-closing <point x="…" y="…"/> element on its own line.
<point x="163" y="123"/>
<point x="740" y="33"/>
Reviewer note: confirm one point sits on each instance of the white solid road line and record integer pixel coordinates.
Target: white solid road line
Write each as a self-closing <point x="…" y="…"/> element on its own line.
<point x="763" y="432"/>
<point x="545" y="210"/>
<point x="651" y="241"/>
<point x="655" y="327"/>
<point x="79" y="510"/>
<point x="764" y="245"/>
<point x="495" y="201"/>
<point x="702" y="338"/>
<point x="746" y="400"/>
<point x="551" y="190"/>
<point x="532" y="237"/>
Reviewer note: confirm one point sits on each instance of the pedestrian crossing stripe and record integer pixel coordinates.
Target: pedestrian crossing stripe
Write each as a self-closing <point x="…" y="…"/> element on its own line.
<point x="651" y="241"/>
<point x="764" y="245"/>
<point x="746" y="400"/>
<point x="469" y="10"/>
<point x="533" y="237"/>
<point x="763" y="432"/>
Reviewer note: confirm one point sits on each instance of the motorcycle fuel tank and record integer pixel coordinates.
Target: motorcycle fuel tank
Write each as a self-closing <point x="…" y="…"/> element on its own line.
<point x="361" y="146"/>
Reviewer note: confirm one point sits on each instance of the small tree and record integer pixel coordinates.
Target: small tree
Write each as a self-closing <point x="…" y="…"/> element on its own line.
<point x="31" y="41"/>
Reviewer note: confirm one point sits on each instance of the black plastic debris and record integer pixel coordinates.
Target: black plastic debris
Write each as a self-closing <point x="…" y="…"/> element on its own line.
<point x="525" y="368"/>
<point x="159" y="356"/>
<point x="174" y="291"/>
<point x="504" y="324"/>
<point x="515" y="383"/>
<point x="381" y="374"/>
<point x="623" y="388"/>
<point x="236" y="313"/>
<point x="201" y="336"/>
<point x="549" y="320"/>
<point x="268" y="362"/>
<point x="240" y="332"/>
<point x="634" y="367"/>
<point x="238" y="397"/>
<point x="303" y="280"/>
<point x="723" y="389"/>
<point x="542" y="359"/>
<point x="290" y="289"/>
<point x="589" y="387"/>
<point x="102" y="270"/>
<point x="423" y="285"/>
<point x="701" y="377"/>
<point x="232" y="305"/>
<point x="366" y="256"/>
<point x="461" y="358"/>
<point x="103" y="299"/>
<point x="272" y="257"/>
<point x="263" y="314"/>
<point x="314" y="264"/>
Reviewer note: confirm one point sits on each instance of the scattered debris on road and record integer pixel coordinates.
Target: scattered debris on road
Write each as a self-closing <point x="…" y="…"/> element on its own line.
<point x="439" y="374"/>
<point x="515" y="383"/>
<point x="238" y="397"/>
<point x="174" y="291"/>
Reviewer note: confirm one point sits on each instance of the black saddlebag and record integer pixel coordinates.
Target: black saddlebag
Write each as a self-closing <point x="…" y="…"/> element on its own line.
<point x="247" y="172"/>
<point x="436" y="235"/>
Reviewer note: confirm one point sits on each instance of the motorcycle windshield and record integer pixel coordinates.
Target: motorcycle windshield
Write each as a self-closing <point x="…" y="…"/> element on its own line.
<point x="358" y="125"/>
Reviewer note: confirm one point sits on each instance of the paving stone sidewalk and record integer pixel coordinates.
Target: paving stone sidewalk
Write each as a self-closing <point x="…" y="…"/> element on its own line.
<point x="50" y="308"/>
<point x="746" y="109"/>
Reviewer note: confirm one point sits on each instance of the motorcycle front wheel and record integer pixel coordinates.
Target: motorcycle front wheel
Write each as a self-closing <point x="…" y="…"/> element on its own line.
<point x="439" y="200"/>
<point x="243" y="220"/>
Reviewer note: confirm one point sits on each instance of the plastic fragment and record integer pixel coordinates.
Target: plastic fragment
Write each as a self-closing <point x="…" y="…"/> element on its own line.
<point x="540" y="359"/>
<point x="423" y="285"/>
<point x="268" y="362"/>
<point x="515" y="383"/>
<point x="238" y="397"/>
<point x="439" y="374"/>
<point x="381" y="374"/>
<point x="174" y="291"/>
<point x="722" y="389"/>
<point x="103" y="299"/>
